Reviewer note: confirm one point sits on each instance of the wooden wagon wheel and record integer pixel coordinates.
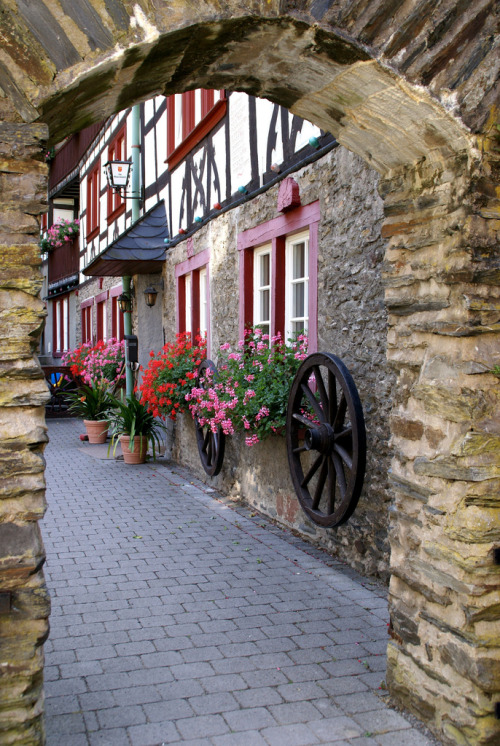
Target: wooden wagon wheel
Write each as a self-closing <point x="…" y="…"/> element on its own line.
<point x="210" y="445"/>
<point x="326" y="439"/>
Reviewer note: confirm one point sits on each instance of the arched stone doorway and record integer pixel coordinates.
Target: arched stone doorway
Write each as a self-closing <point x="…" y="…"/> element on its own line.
<point x="413" y="92"/>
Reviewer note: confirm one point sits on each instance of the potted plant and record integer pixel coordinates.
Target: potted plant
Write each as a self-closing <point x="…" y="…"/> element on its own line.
<point x="92" y="402"/>
<point x="134" y="427"/>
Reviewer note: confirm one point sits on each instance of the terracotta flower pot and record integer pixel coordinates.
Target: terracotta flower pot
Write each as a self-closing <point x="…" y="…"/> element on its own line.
<point x="138" y="455"/>
<point x="97" y="430"/>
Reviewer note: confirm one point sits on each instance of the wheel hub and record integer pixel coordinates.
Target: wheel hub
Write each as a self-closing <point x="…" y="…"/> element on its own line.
<point x="320" y="439"/>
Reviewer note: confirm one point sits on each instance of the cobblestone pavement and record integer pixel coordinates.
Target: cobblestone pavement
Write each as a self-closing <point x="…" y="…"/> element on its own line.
<point x="178" y="617"/>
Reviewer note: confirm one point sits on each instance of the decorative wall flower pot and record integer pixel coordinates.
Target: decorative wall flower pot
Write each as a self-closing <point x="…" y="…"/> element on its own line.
<point x="139" y="452"/>
<point x="97" y="430"/>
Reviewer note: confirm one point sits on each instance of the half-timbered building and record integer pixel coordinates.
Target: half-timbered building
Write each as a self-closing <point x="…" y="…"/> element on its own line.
<point x="247" y="215"/>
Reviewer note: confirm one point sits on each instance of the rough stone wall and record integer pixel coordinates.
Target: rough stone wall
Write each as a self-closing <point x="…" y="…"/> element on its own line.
<point x="351" y="324"/>
<point x="444" y="312"/>
<point x="395" y="83"/>
<point x="24" y="602"/>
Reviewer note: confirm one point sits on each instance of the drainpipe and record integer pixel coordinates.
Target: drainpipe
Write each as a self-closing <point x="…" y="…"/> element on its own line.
<point x="136" y="193"/>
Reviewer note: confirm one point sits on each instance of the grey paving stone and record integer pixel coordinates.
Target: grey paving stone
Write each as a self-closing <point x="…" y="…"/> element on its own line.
<point x="295" y="712"/>
<point x="62" y="705"/>
<point x="290" y="735"/>
<point x="67" y="723"/>
<point x="245" y="738"/>
<point x="405" y="738"/>
<point x="61" y="739"/>
<point x="97" y="700"/>
<point x="249" y="719"/>
<point x="223" y="683"/>
<point x="152" y="734"/>
<point x="202" y="726"/>
<point x="210" y="704"/>
<point x="108" y="737"/>
<point x="381" y="720"/>
<point x="336" y="729"/>
<point x="300" y="692"/>
<point x="172" y="709"/>
<point x="352" y="703"/>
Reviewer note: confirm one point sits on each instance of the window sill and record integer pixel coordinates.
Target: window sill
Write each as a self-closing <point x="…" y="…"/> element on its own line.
<point x="214" y="116"/>
<point x="92" y="234"/>
<point x="116" y="213"/>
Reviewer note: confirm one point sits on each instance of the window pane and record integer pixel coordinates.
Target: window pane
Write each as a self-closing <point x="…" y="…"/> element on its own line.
<point x="58" y="326"/>
<point x="65" y="324"/>
<point x="299" y="260"/>
<point x="264" y="305"/>
<point x="298" y="300"/>
<point x="203" y="302"/>
<point x="188" y="303"/>
<point x="264" y="269"/>
<point x="298" y="327"/>
<point x="178" y="119"/>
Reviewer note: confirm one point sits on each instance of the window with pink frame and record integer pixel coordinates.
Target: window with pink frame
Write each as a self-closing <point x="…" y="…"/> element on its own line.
<point x="279" y="275"/>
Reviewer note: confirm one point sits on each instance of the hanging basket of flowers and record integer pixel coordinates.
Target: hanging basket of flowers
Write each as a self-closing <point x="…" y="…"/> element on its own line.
<point x="64" y="231"/>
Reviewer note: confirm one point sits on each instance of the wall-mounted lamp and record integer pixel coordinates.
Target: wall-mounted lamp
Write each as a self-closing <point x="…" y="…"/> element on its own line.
<point x="118" y="176"/>
<point x="150" y="295"/>
<point x="124" y="303"/>
<point x="118" y="173"/>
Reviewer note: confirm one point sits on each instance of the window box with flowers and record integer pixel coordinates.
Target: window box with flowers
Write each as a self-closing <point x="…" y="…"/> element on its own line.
<point x="64" y="231"/>
<point x="248" y="395"/>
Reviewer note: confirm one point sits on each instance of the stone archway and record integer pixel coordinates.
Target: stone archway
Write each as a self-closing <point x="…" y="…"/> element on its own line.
<point x="414" y="93"/>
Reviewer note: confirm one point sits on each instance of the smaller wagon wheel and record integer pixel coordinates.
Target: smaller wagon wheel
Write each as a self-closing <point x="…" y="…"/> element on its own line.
<point x="210" y="445"/>
<point x="326" y="439"/>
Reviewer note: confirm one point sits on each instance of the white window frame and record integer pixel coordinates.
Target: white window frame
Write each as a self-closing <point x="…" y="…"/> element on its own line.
<point x="188" y="285"/>
<point x="203" y="302"/>
<point x="259" y="289"/>
<point x="291" y="282"/>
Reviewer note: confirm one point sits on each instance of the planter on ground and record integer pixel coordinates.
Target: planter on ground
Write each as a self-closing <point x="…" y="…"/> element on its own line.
<point x="139" y="452"/>
<point x="97" y="430"/>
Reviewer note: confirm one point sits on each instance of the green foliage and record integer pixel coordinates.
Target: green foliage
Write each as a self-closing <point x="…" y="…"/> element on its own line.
<point x="64" y="231"/>
<point x="250" y="392"/>
<point x="90" y="402"/>
<point x="131" y="417"/>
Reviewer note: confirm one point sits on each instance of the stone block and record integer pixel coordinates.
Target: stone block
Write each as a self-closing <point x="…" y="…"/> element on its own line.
<point x="21" y="549"/>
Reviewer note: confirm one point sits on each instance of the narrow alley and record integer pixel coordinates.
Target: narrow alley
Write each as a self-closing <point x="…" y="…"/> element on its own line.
<point x="181" y="617"/>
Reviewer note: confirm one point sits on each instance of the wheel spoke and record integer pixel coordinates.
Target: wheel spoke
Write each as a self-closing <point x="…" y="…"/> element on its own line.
<point x="340" y="415"/>
<point x="332" y="478"/>
<point x="313" y="402"/>
<point x="340" y="475"/>
<point x="346" y="458"/>
<point x="312" y="471"/>
<point x="343" y="434"/>
<point x="303" y="420"/>
<point x="300" y="449"/>
<point x="206" y="440"/>
<point x="332" y="397"/>
<point x="321" y="388"/>
<point x="320" y="485"/>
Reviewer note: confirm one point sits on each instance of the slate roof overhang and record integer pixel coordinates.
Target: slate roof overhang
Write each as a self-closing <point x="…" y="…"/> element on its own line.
<point x="140" y="250"/>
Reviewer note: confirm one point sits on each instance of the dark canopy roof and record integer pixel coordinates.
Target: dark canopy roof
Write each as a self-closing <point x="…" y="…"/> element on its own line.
<point x="139" y="250"/>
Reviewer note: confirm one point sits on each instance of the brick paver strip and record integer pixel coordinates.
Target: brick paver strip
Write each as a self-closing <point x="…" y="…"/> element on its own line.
<point x="180" y="616"/>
